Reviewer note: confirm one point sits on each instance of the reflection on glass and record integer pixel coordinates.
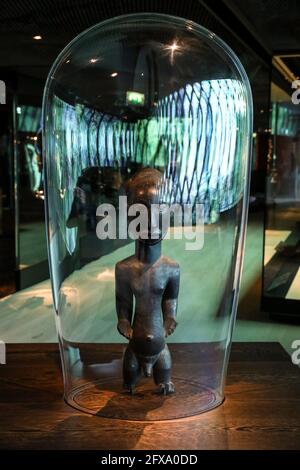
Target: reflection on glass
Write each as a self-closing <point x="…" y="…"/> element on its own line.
<point x="199" y="147"/>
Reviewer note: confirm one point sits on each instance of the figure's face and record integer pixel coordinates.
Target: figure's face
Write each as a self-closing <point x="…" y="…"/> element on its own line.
<point x="149" y="197"/>
<point x="148" y="193"/>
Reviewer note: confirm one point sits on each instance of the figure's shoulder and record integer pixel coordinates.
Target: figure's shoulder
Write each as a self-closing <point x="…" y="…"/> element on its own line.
<point x="173" y="265"/>
<point x="124" y="265"/>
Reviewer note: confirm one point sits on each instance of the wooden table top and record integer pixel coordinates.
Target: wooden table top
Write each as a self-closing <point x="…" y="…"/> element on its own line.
<point x="261" y="410"/>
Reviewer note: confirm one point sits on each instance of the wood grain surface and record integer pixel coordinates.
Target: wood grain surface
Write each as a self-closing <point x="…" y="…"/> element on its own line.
<point x="261" y="410"/>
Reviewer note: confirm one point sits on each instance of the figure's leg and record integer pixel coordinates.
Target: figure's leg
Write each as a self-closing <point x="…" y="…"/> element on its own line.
<point x="131" y="370"/>
<point x="162" y="372"/>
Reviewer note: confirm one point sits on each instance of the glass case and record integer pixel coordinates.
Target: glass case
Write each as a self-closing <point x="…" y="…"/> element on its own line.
<point x="149" y="112"/>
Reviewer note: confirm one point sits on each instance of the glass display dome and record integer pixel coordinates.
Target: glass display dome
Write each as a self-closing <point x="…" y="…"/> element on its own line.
<point x="146" y="111"/>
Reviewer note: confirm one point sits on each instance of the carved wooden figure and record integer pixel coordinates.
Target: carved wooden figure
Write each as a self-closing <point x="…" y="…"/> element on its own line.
<point x="153" y="281"/>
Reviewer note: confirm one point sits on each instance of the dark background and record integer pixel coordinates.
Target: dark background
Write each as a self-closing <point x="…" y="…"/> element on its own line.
<point x="256" y="30"/>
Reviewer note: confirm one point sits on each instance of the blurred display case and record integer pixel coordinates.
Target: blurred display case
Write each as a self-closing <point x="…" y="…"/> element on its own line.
<point x="281" y="273"/>
<point x="31" y="250"/>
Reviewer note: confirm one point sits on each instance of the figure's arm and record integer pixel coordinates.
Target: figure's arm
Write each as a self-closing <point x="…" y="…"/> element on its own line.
<point x="124" y="302"/>
<point x="169" y="302"/>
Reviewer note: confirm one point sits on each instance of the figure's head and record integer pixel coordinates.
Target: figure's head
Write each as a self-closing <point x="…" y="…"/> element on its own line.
<point x="145" y="188"/>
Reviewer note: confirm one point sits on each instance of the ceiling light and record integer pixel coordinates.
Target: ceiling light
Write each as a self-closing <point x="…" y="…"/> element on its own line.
<point x="174" y="46"/>
<point x="114" y="74"/>
<point x="172" y="49"/>
<point x="93" y="61"/>
<point x="37" y="37"/>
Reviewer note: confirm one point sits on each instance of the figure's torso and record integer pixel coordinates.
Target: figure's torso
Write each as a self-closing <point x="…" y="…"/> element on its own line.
<point x="148" y="283"/>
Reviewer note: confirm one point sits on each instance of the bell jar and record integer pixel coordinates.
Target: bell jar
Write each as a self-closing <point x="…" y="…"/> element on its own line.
<point x="147" y="125"/>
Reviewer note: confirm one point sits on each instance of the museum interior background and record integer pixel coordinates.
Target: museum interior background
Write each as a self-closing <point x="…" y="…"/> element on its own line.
<point x="266" y="38"/>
